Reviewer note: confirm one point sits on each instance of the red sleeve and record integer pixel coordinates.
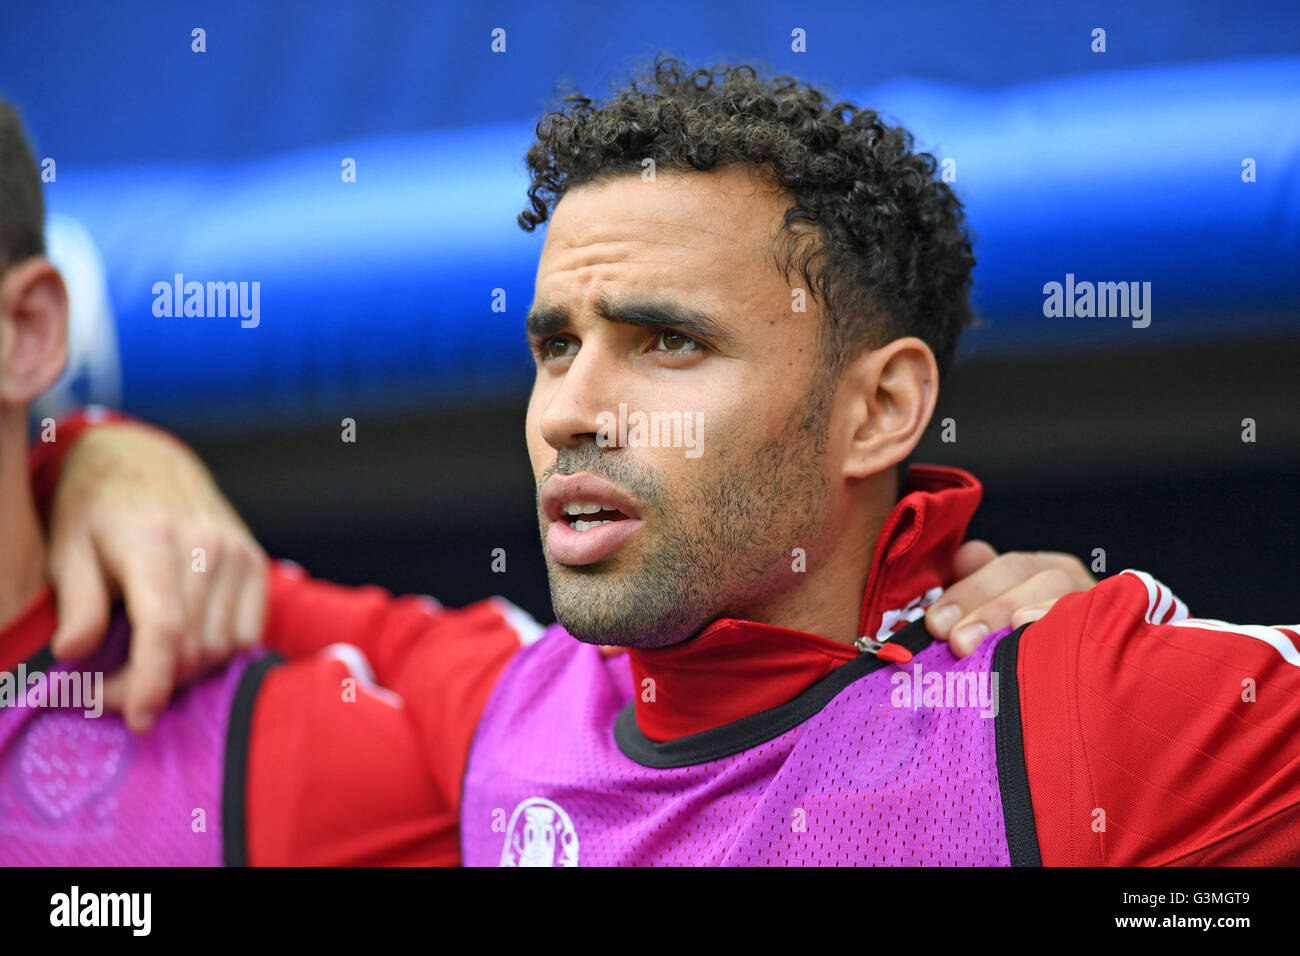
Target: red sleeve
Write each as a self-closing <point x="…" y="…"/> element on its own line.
<point x="45" y="461"/>
<point x="339" y="778"/>
<point x="1154" y="738"/>
<point x="442" y="663"/>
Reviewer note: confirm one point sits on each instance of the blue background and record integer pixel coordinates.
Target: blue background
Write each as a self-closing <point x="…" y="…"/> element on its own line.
<point x="376" y="295"/>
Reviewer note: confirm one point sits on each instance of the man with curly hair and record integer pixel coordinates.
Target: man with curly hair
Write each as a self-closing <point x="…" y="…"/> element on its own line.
<point x="681" y="214"/>
<point x="1113" y="730"/>
<point x="785" y="276"/>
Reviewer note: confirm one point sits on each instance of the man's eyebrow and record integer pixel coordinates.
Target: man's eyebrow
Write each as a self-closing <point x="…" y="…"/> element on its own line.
<point x="546" y="320"/>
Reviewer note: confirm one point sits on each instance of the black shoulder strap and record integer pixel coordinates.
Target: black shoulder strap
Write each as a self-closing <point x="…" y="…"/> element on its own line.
<point x="234" y="830"/>
<point x="1013" y="778"/>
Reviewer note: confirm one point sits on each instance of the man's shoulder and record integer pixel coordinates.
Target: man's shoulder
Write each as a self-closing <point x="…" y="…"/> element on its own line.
<point x="1133" y="620"/>
<point x="1139" y="720"/>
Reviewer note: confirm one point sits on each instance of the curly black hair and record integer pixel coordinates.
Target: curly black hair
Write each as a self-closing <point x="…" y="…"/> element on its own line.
<point x="878" y="240"/>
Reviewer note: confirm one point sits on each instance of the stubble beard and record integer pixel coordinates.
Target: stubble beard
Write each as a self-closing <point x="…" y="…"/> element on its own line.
<point x="728" y="545"/>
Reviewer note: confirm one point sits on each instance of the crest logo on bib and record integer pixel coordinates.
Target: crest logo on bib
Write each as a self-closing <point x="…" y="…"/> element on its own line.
<point x="540" y="833"/>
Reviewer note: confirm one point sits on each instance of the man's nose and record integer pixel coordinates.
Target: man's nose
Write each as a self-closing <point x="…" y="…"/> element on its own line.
<point x="573" y="412"/>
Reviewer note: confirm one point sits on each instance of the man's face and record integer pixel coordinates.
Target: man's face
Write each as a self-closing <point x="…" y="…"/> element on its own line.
<point x="694" y="533"/>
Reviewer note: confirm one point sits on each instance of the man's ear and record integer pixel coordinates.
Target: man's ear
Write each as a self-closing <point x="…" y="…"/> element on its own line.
<point x="891" y="393"/>
<point x="33" y="330"/>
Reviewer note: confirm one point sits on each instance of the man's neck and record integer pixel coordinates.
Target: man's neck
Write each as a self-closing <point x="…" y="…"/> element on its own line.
<point x="22" y="545"/>
<point x="833" y="575"/>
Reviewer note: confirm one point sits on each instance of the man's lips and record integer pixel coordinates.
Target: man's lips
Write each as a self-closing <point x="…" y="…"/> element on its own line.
<point x="561" y="490"/>
<point x="568" y="546"/>
<point x="565" y="543"/>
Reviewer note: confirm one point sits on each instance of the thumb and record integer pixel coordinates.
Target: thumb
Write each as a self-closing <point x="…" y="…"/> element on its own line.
<point x="82" y="598"/>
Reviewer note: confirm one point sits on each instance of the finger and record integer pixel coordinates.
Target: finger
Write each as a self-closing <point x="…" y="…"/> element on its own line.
<point x="1027" y="615"/>
<point x="199" y="561"/>
<point x="151" y="587"/>
<point x="972" y="556"/>
<point x="948" y="609"/>
<point x="115" y="691"/>
<point x="219" y="621"/>
<point x="992" y="579"/>
<point x="1081" y="579"/>
<point x="250" y="616"/>
<point x="83" y="599"/>
<point x="992" y="616"/>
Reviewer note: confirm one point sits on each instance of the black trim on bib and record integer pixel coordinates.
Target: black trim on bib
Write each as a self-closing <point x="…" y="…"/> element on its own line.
<point x="1013" y="777"/>
<point x="756" y="729"/>
<point x="233" y="826"/>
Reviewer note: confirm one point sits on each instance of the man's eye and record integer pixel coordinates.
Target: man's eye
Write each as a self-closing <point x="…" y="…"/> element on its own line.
<point x="558" y="348"/>
<point x="677" y="342"/>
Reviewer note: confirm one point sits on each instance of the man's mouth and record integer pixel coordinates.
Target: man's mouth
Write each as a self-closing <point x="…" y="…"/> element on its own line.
<point x="584" y="515"/>
<point x="590" y="518"/>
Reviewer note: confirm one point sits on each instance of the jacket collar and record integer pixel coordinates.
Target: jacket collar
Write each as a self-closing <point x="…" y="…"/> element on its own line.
<point x="735" y="668"/>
